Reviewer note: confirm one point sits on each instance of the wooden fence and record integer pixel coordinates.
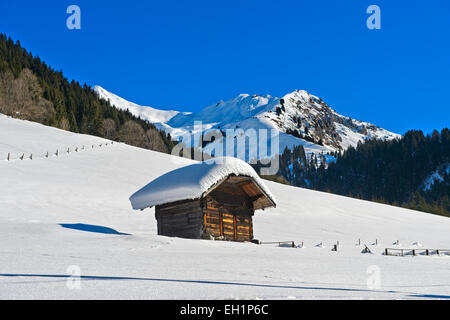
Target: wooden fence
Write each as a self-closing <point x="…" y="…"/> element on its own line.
<point x="414" y="252"/>
<point x="291" y="243"/>
<point x="48" y="155"/>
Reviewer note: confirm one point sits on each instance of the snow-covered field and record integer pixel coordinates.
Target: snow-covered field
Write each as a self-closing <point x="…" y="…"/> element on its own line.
<point x="70" y="213"/>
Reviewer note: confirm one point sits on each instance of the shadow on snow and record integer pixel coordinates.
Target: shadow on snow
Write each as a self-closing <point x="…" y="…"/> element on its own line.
<point x="91" y="228"/>
<point x="62" y="276"/>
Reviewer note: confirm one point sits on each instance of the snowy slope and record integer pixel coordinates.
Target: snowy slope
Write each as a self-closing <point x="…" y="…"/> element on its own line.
<point x="72" y="212"/>
<point x="299" y="117"/>
<point x="19" y="137"/>
<point x="147" y="113"/>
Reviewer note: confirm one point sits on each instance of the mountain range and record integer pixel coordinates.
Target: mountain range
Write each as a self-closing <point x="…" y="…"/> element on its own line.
<point x="299" y="118"/>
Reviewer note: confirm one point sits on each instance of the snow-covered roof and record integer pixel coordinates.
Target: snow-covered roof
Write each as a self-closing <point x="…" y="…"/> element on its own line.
<point x="193" y="181"/>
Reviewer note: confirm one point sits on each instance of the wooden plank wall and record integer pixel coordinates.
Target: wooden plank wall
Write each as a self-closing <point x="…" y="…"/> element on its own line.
<point x="244" y="228"/>
<point x="212" y="220"/>
<point x="230" y="219"/>
<point x="183" y="219"/>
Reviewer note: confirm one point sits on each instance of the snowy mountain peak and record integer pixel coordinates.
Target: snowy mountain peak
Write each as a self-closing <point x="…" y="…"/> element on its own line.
<point x="300" y="94"/>
<point x="300" y="117"/>
<point x="307" y="116"/>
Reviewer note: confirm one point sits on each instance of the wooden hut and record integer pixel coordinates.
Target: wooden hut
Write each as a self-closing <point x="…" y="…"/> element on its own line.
<point x="212" y="199"/>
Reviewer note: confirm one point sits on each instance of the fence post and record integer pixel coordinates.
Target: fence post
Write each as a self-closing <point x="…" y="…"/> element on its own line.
<point x="414" y="252"/>
<point x="386" y="252"/>
<point x="437" y="251"/>
<point x="8" y="156"/>
<point x="293" y="244"/>
<point x="56" y="154"/>
<point x="31" y="156"/>
<point x="427" y="252"/>
<point x="21" y="157"/>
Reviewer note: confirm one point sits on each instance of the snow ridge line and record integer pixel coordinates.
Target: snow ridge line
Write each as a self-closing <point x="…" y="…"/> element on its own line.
<point x="47" y="155"/>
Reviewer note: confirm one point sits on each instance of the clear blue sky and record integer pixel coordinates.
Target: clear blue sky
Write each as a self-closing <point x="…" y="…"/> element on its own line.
<point x="186" y="55"/>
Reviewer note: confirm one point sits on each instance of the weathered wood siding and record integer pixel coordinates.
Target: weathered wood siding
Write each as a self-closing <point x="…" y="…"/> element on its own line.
<point x="230" y="218"/>
<point x="180" y="219"/>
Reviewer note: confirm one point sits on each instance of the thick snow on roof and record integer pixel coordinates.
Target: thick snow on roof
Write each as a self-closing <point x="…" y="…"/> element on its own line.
<point x="192" y="181"/>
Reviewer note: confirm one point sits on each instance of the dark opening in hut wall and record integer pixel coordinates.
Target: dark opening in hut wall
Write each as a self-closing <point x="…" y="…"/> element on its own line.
<point x="180" y="219"/>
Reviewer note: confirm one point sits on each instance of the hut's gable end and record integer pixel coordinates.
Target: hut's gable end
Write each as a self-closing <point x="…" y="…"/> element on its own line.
<point x="230" y="221"/>
<point x="242" y="187"/>
<point x="228" y="211"/>
<point x="180" y="219"/>
<point x="233" y="196"/>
